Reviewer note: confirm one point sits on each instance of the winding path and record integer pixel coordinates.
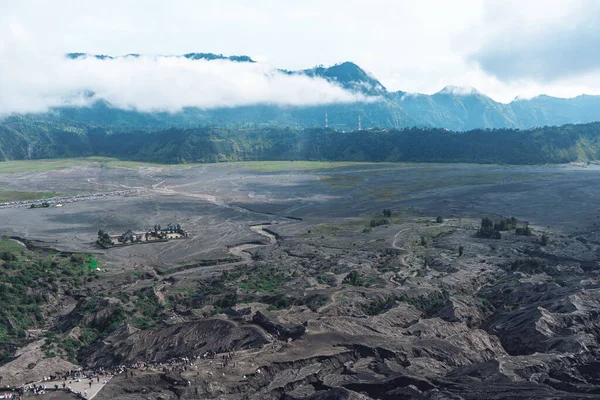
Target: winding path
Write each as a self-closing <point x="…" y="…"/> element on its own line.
<point x="240" y="250"/>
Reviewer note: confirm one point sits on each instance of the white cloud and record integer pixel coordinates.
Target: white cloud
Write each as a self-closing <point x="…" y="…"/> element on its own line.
<point x="36" y="82"/>
<point x="546" y="41"/>
<point x="504" y="48"/>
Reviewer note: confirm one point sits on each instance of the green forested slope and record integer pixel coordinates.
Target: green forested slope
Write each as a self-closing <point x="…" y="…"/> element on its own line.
<point x="22" y="138"/>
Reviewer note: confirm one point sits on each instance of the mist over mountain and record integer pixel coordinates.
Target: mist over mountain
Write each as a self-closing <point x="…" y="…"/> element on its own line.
<point x="338" y="96"/>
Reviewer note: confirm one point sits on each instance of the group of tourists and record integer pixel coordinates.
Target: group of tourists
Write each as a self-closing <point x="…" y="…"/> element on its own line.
<point x="51" y="383"/>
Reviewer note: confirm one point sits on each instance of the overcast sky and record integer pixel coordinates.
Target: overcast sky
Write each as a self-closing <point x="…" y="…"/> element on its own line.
<point x="503" y="48"/>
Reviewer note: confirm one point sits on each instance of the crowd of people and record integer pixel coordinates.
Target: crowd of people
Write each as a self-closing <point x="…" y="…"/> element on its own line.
<point x="88" y="377"/>
<point x="53" y="383"/>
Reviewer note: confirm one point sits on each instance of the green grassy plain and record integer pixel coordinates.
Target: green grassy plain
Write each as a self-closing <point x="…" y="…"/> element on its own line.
<point x="20" y="166"/>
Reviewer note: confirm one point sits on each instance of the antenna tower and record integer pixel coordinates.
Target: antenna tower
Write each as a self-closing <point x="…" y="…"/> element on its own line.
<point x="326" y="120"/>
<point x="359" y="126"/>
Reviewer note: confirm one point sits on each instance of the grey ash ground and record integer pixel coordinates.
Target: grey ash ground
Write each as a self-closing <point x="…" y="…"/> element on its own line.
<point x="283" y="269"/>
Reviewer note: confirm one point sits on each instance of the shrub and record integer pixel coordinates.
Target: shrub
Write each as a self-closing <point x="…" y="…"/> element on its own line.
<point x="506" y="224"/>
<point x="487" y="229"/>
<point x="379" y="305"/>
<point x="524" y="231"/>
<point x="8" y="256"/>
<point x="353" y="278"/>
<point x="375" y="222"/>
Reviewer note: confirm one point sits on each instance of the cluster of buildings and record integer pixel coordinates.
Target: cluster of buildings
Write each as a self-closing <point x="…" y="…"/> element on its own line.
<point x="157" y="233"/>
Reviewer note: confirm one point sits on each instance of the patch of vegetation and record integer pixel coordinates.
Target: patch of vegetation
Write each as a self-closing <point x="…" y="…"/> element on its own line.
<point x="28" y="277"/>
<point x="387" y="213"/>
<point x="147" y="309"/>
<point x="315" y="302"/>
<point x="227" y="301"/>
<point x="19" y="166"/>
<point x="506" y="224"/>
<point x="488" y="230"/>
<point x="430" y="304"/>
<point x="7" y="195"/>
<point x="262" y="281"/>
<point x="525" y="230"/>
<point x="353" y="278"/>
<point x="278" y="302"/>
<point x="375" y="222"/>
<point x="439" y="219"/>
<point x="327" y="279"/>
<point x="379" y="305"/>
<point x="104" y="238"/>
<point x="544" y="240"/>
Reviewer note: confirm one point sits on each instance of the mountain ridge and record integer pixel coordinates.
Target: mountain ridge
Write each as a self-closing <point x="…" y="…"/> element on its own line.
<point x="453" y="107"/>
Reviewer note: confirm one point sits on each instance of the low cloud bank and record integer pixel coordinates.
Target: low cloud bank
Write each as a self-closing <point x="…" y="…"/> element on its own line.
<point x="33" y="83"/>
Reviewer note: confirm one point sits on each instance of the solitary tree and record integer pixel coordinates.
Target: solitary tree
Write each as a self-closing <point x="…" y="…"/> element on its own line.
<point x="461" y="250"/>
<point x="439" y="219"/>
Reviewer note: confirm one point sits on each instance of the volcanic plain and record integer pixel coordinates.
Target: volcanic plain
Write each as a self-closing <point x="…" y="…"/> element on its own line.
<point x="319" y="280"/>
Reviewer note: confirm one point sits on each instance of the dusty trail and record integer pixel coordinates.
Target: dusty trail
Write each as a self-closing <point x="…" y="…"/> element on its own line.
<point x="394" y="245"/>
<point x="240" y="251"/>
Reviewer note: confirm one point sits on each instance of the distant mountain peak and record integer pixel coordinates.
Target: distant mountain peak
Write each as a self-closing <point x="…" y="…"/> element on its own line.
<point x="348" y="75"/>
<point x="459" y="90"/>
<point x="212" y="56"/>
<point x="189" y="56"/>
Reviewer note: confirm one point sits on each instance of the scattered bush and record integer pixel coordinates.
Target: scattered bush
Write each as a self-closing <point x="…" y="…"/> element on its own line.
<point x="8" y="256"/>
<point x="379" y="305"/>
<point x="427" y="304"/>
<point x="262" y="281"/>
<point x="524" y="231"/>
<point x="375" y="222"/>
<point x="506" y="224"/>
<point x="353" y="278"/>
<point x="227" y="301"/>
<point x="439" y="219"/>
<point x="487" y="230"/>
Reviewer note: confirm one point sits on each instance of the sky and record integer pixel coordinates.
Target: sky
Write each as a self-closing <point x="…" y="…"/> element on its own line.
<point x="503" y="48"/>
